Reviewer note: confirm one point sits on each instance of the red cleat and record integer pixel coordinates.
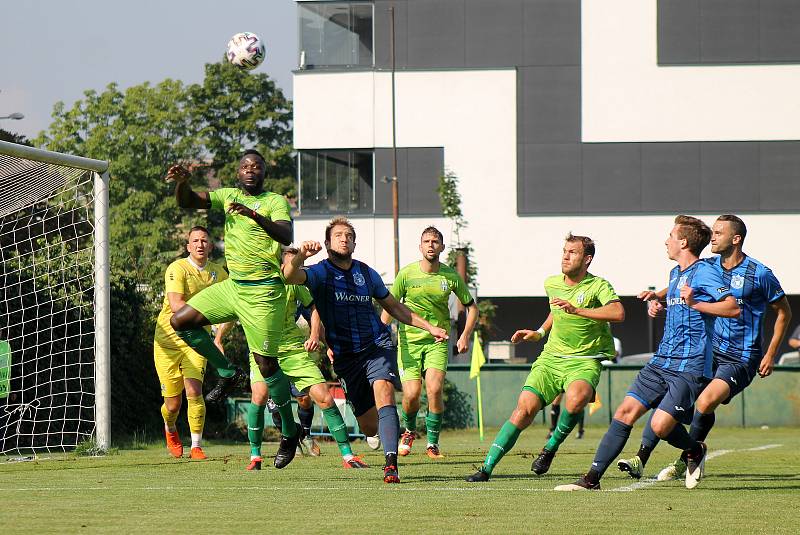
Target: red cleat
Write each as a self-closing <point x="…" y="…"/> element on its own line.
<point x="390" y="474"/>
<point x="174" y="445"/>
<point x="405" y="443"/>
<point x="355" y="462"/>
<point x="197" y="454"/>
<point x="255" y="464"/>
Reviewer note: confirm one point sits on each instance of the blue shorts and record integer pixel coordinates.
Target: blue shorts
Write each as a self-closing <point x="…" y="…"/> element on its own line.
<point x="736" y="373"/>
<point x="358" y="372"/>
<point x="671" y="391"/>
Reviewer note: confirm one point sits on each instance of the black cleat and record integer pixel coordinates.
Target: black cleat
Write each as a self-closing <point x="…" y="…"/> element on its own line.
<point x="581" y="484"/>
<point x="542" y="463"/>
<point x="287" y="449"/>
<point x="580" y="434"/>
<point x="226" y="385"/>
<point x="478" y="477"/>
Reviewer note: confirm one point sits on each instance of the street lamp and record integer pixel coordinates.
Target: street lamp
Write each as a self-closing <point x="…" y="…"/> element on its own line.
<point x="15" y="116"/>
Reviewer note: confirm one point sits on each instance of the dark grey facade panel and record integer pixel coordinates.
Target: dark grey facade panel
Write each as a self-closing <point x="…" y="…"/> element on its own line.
<point x="551" y="183"/>
<point x="551" y="32"/>
<point x="611" y="177"/>
<point x="780" y="175"/>
<point x="382" y="33"/>
<point x="678" y="31"/>
<point x="436" y="33"/>
<point x="670" y="177"/>
<point x="723" y="32"/>
<point x="729" y="177"/>
<point x="418" y="171"/>
<point x="493" y="33"/>
<point x="551" y="104"/>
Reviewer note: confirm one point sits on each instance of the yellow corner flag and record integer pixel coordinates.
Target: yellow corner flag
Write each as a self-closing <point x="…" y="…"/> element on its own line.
<point x="478" y="358"/>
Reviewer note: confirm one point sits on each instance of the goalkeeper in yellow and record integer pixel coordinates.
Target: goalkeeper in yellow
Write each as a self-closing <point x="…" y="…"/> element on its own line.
<point x="425" y="287"/>
<point x="178" y="366"/>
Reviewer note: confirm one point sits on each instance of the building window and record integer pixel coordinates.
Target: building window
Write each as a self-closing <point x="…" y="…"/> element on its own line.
<point x="336" y="181"/>
<point x="335" y="34"/>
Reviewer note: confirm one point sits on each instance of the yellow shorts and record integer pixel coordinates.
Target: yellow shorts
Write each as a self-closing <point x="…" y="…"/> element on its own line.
<point x="173" y="365"/>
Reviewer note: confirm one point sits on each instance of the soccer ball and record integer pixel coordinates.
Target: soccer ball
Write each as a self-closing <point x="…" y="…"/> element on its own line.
<point x="246" y="51"/>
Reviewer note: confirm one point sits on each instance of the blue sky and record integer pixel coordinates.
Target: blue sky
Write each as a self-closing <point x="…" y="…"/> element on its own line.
<point x="55" y="49"/>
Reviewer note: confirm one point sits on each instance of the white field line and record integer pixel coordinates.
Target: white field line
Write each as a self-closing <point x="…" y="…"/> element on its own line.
<point x="711" y="455"/>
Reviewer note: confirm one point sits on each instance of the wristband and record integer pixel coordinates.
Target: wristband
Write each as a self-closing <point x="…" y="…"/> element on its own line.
<point x="542" y="332"/>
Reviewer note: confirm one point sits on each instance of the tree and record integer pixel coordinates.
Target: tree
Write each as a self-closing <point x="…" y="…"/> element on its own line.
<point x="11" y="137"/>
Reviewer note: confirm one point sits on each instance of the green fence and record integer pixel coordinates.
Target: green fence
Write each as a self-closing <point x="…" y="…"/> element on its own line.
<point x="773" y="401"/>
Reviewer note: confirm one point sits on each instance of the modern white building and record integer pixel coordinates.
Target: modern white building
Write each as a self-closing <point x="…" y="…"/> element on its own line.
<point x="601" y="117"/>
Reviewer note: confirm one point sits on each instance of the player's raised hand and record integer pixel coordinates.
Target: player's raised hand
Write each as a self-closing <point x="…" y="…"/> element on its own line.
<point x="525" y="335"/>
<point x="439" y="334"/>
<point x="654" y="308"/>
<point x="308" y="249"/>
<point x="564" y="305"/>
<point x="177" y="173"/>
<point x="687" y="294"/>
<point x="240" y="209"/>
<point x="647" y="295"/>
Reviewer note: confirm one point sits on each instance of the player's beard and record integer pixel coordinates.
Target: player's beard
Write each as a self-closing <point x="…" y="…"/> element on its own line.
<point x="339" y="256"/>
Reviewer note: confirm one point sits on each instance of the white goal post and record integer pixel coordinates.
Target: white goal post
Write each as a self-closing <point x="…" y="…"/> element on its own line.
<point x="55" y="381"/>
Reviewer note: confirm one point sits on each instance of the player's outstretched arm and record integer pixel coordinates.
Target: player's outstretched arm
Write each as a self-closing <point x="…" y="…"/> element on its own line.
<point x="724" y="308"/>
<point x="612" y="312"/>
<point x="184" y="195"/>
<point x="783" y="315"/>
<point x="293" y="271"/>
<point x="280" y="231"/>
<point x="402" y="313"/>
<point x="528" y="335"/>
<point x="472" y="319"/>
<point x="312" y="344"/>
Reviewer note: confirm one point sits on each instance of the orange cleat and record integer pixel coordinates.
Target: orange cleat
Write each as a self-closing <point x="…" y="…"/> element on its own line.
<point x="355" y="462"/>
<point x="255" y="464"/>
<point x="390" y="474"/>
<point x="405" y="443"/>
<point x="174" y="445"/>
<point x="197" y="454"/>
<point x="433" y="452"/>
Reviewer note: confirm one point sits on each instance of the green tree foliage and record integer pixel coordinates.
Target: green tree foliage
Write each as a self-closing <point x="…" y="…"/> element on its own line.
<point x="11" y="137"/>
<point x="141" y="130"/>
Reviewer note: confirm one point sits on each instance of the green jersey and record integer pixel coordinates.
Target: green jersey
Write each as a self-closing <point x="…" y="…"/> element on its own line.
<point x="575" y="336"/>
<point x="292" y="335"/>
<point x="250" y="252"/>
<point x="427" y="295"/>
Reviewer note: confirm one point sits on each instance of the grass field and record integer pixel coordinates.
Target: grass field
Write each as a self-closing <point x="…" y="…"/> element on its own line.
<point x="752" y="486"/>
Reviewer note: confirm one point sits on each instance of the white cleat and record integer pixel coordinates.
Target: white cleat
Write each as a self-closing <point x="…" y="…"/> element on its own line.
<point x="695" y="469"/>
<point x="374" y="442"/>
<point x="674" y="471"/>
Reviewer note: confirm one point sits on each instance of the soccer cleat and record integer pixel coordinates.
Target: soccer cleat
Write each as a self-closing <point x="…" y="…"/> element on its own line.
<point x="197" y="454"/>
<point x="287" y="449"/>
<point x="633" y="466"/>
<point x="374" y="442"/>
<point x="390" y="474"/>
<point x="580" y="434"/>
<point x="673" y="471"/>
<point x="433" y="452"/>
<point x="174" y="445"/>
<point x="542" y="462"/>
<point x="354" y="462"/>
<point x="695" y="467"/>
<point x="581" y="484"/>
<point x="311" y="446"/>
<point x="226" y="385"/>
<point x="405" y="443"/>
<point x="255" y="464"/>
<point x="478" y="477"/>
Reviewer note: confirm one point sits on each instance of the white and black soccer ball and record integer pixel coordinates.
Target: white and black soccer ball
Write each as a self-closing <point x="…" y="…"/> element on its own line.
<point x="246" y="51"/>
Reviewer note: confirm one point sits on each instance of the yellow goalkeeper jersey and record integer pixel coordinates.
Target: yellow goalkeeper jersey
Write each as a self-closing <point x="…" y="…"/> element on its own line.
<point x="183" y="277"/>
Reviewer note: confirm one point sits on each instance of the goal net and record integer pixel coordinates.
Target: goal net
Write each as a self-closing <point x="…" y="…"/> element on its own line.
<point x="54" y="336"/>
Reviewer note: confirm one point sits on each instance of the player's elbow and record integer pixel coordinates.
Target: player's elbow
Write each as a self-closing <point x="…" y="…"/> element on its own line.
<point x="617" y="314"/>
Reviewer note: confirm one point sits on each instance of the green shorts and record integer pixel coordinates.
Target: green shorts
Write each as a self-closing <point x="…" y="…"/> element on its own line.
<point x="298" y="366"/>
<point x="259" y="307"/>
<point x="415" y="357"/>
<point x="551" y="375"/>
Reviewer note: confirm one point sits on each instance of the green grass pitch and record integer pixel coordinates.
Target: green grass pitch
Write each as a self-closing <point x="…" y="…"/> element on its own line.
<point x="752" y="485"/>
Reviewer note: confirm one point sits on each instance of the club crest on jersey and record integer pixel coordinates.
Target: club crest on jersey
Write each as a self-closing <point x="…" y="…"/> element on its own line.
<point x="580" y="298"/>
<point x="445" y="287"/>
<point x="737" y="281"/>
<point x="256" y="206"/>
<point x="213" y="276"/>
<point x="358" y="279"/>
<point x="682" y="281"/>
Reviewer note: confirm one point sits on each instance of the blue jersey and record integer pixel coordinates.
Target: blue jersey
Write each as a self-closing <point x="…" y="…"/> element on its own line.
<point x="344" y="301"/>
<point x="754" y="286"/>
<point x="686" y="345"/>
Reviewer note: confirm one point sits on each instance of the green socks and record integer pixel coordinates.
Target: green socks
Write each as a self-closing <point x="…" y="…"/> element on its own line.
<point x="337" y="428"/>
<point x="503" y="442"/>
<point x="200" y="341"/>
<point x="566" y="423"/>
<point x="409" y="421"/>
<point x="433" y="423"/>
<point x="280" y="392"/>
<point x="255" y="428"/>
